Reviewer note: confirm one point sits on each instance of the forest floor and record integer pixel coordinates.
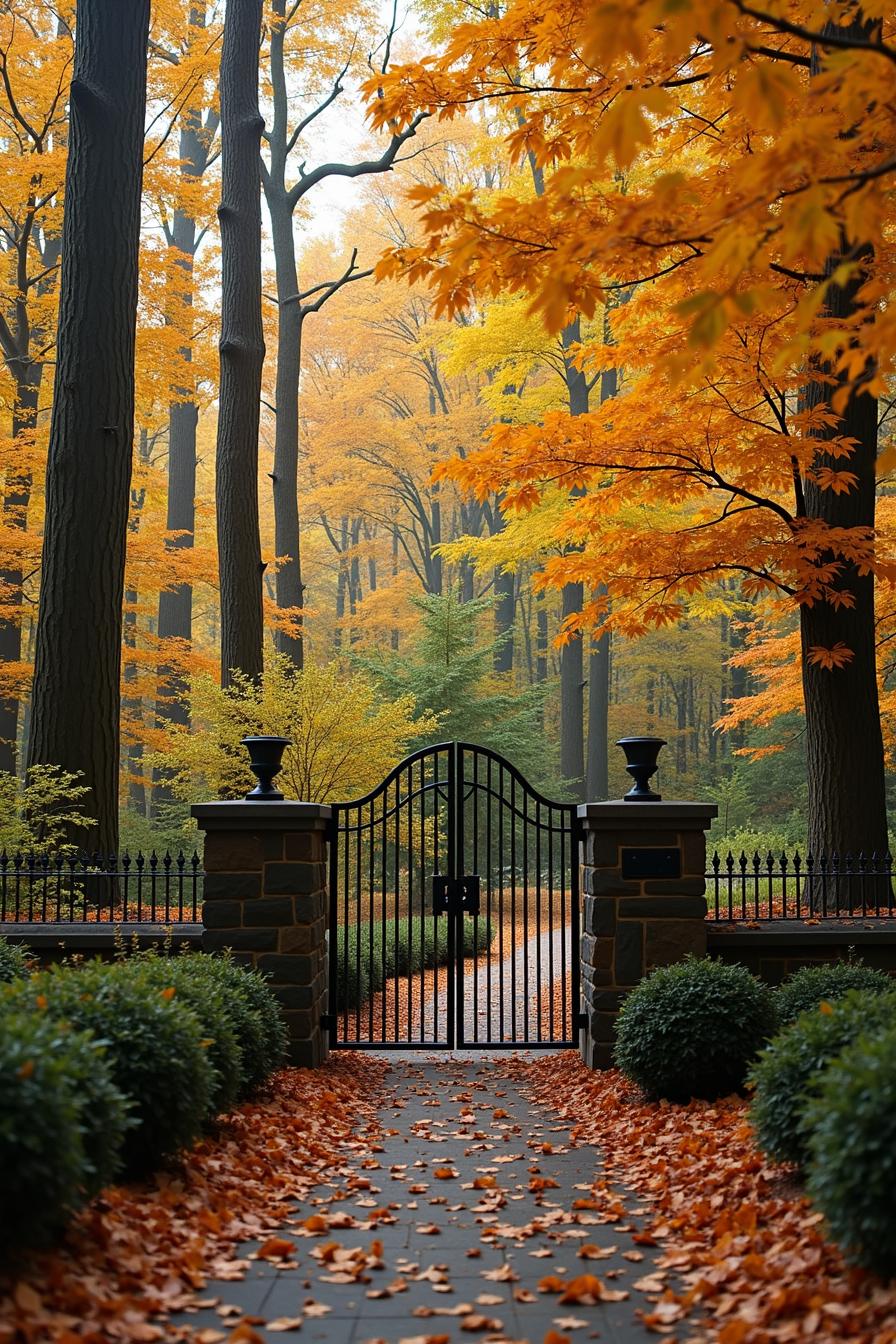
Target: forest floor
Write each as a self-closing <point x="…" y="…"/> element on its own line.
<point x="426" y="1201"/>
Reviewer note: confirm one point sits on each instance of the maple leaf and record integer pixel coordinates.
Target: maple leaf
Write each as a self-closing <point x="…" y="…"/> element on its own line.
<point x="836" y="656"/>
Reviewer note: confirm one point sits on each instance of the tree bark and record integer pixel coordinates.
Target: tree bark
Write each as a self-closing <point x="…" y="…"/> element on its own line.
<point x="572" y="727"/>
<point x="241" y="347"/>
<point x="597" y="785"/>
<point x="844" y="743"/>
<point x="176" y="604"/>
<point x="77" y="692"/>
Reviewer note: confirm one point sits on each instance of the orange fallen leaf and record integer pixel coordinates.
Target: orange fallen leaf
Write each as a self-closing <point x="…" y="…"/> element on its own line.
<point x="276" y="1248"/>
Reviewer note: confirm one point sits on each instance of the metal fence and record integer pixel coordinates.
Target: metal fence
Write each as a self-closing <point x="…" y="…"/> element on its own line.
<point x="792" y="887"/>
<point x="101" y="889"/>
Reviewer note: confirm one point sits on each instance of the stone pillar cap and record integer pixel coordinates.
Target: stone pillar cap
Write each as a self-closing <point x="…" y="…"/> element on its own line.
<point x="628" y="815"/>
<point x="243" y="815"/>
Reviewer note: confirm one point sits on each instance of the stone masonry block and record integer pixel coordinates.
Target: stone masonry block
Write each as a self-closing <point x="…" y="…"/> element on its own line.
<point x="308" y="1054"/>
<point x="232" y="886"/>
<point x="600" y="916"/>
<point x="693" y="853"/>
<point x="602" y="1027"/>
<point x="308" y="909"/>
<point x="305" y="847"/>
<point x="274" y="911"/>
<point x="291" y="969"/>
<point x="301" y="937"/>
<point x="628" y="961"/>
<point x="610" y="882"/>
<point x="240" y="851"/>
<point x="662" y="907"/>
<point x="239" y="940"/>
<point x="293" y="879"/>
<point x="301" y="1021"/>
<point x="671" y="940"/>
<point x="222" y="914"/>
<point x="674" y="886"/>
<point x="295" y="996"/>
<point x="662" y="837"/>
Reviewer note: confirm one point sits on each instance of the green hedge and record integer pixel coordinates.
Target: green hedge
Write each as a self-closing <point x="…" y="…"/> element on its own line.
<point x="693" y="1029"/>
<point x="107" y="1068"/>
<point x="15" y="963"/>
<point x="156" y="1051"/>
<point x="812" y="985"/>
<point x="398" y="947"/>
<point x="62" y="1124"/>
<point x="851" y="1172"/>
<point x="789" y="1069"/>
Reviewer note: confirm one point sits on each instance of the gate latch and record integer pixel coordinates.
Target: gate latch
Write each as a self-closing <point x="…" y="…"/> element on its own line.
<point x="455" y="894"/>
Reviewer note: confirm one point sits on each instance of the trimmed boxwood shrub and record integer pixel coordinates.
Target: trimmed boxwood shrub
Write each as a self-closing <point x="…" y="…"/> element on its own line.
<point x="62" y="1123"/>
<point x="851" y="1173"/>
<point x="15" y="963"/>
<point x="788" y="1071"/>
<point x="693" y="1029"/>
<point x="399" y="947"/>
<point x="812" y="985"/>
<point x="254" y="1012"/>
<point x="220" y="1019"/>
<point x="155" y="1051"/>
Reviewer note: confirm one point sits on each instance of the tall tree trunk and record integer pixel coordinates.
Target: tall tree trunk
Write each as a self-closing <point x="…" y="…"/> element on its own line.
<point x="176" y="604"/>
<point x="77" y="691"/>
<point x="290" y="589"/>
<point x="597" y="786"/>
<point x="572" y="685"/>
<point x="241" y="347"/>
<point x="844" y="743"/>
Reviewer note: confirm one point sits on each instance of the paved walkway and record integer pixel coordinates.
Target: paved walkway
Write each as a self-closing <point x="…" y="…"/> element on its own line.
<point x="446" y="1232"/>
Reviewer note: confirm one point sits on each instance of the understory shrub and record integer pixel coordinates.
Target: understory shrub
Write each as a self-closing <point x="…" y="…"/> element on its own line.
<point x="256" y="1015"/>
<point x="156" y="1053"/>
<point x="398" y="947"/>
<point x="789" y="1069"/>
<point x="851" y="1173"/>
<point x="218" y="1017"/>
<point x="62" y="1123"/>
<point x="693" y="1029"/>
<point x="15" y="962"/>
<point x="812" y="985"/>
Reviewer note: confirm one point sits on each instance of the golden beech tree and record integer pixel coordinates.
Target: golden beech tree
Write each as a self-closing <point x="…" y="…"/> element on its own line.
<point x="727" y="168"/>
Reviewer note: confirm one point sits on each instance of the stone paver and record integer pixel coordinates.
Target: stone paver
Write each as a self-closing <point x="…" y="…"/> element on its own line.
<point x="459" y="1114"/>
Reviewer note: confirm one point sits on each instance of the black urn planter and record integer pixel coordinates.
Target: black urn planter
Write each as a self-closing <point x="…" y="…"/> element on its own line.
<point x="641" y="763"/>
<point x="266" y="759"/>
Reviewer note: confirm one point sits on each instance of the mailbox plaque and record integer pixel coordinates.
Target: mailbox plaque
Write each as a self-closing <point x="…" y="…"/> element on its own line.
<point x="640" y="863"/>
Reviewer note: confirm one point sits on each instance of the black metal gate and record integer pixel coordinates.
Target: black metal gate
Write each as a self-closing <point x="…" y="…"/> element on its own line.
<point x="454" y="909"/>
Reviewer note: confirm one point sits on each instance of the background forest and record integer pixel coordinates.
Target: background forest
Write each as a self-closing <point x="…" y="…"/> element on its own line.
<point x="399" y="607"/>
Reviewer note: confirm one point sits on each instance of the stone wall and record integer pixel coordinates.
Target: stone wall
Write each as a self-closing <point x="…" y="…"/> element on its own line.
<point x="266" y="899"/>
<point x="778" y="948"/>
<point x="631" y="924"/>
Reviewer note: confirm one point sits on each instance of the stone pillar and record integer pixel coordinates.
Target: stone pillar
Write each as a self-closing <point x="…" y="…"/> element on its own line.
<point x="643" y="867"/>
<point x="266" y="899"/>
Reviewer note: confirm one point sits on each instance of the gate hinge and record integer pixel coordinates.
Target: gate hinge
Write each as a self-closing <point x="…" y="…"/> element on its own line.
<point x="327" y="1021"/>
<point x="581" y="1019"/>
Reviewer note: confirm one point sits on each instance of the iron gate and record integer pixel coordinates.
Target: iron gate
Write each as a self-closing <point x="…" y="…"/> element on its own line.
<point x="454" y="909"/>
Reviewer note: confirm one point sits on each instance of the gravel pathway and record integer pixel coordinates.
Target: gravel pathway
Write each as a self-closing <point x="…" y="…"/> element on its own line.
<point x="502" y="1001"/>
